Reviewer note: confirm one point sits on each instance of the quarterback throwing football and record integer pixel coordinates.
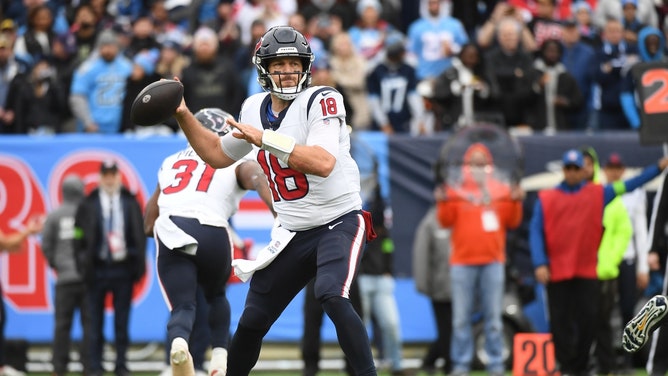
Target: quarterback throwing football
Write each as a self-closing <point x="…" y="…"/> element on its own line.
<point x="304" y="150"/>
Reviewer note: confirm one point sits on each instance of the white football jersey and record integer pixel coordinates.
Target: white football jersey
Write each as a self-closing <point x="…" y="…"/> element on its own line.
<point x="191" y="188"/>
<point x="315" y="117"/>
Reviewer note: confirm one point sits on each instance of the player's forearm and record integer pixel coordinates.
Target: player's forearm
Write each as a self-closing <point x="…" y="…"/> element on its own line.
<point x="312" y="160"/>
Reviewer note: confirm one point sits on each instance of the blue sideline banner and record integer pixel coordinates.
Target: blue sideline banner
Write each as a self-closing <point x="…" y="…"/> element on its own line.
<point x="31" y="171"/>
<point x="32" y="168"/>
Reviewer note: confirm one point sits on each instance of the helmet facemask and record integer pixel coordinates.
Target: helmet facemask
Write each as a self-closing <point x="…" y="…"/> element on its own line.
<point x="272" y="82"/>
<point x="282" y="41"/>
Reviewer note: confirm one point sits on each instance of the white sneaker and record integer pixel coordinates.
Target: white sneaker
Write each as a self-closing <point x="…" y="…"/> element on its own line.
<point x="218" y="363"/>
<point x="7" y="370"/>
<point x="180" y="359"/>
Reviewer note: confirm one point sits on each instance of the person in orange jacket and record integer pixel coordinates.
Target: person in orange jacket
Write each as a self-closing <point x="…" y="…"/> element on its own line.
<point x="479" y="210"/>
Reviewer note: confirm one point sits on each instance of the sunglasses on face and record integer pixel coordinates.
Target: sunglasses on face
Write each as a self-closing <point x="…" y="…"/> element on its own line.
<point x="571" y="168"/>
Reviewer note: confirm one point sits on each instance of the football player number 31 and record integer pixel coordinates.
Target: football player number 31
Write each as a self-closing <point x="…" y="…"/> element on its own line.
<point x="657" y="100"/>
<point x="533" y="355"/>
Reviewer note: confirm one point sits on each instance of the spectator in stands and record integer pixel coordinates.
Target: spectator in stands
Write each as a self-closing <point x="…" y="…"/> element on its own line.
<point x="8" y="29"/>
<point x="142" y="38"/>
<point x="611" y="57"/>
<point x="298" y="22"/>
<point x="324" y="27"/>
<point x="72" y="48"/>
<point x="341" y="9"/>
<point x="70" y="287"/>
<point x="431" y="272"/>
<point x="392" y="96"/>
<point x="211" y="80"/>
<point x="488" y="33"/>
<point x="465" y="91"/>
<point x="632" y="25"/>
<point x="271" y="12"/>
<point x="227" y="28"/>
<point x="36" y="41"/>
<point x="98" y="87"/>
<point x="10" y="68"/>
<point x="103" y="19"/>
<point x="545" y="25"/>
<point x="468" y="12"/>
<point x="243" y="60"/>
<point x="651" y="44"/>
<point x="164" y="27"/>
<point x="143" y="74"/>
<point x="613" y="9"/>
<point x="348" y="69"/>
<point x="479" y="209"/>
<point x="513" y="70"/>
<point x="565" y="234"/>
<point x="171" y="61"/>
<point x="435" y="40"/>
<point x="589" y="32"/>
<point x="577" y="57"/>
<point x="556" y="92"/>
<point x="40" y="101"/>
<point x="369" y="32"/>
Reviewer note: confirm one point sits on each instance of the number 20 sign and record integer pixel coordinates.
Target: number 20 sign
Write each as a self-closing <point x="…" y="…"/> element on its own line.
<point x="651" y="86"/>
<point x="533" y="355"/>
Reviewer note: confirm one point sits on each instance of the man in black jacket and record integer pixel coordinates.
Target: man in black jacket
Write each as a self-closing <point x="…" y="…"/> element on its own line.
<point x="111" y="255"/>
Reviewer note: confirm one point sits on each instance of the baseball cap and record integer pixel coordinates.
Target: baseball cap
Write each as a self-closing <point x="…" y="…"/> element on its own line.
<point x="7" y="24"/>
<point x="108" y="166"/>
<point x="632" y="2"/>
<point x="614" y="160"/>
<point x="573" y="157"/>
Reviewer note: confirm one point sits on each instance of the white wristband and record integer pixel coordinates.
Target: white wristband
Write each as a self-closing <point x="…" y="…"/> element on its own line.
<point x="278" y="144"/>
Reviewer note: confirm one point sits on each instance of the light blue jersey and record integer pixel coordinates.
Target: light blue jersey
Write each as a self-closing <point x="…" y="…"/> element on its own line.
<point x="103" y="85"/>
<point x="426" y="38"/>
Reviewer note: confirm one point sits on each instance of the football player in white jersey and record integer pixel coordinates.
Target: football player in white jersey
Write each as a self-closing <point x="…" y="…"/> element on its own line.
<point x="303" y="146"/>
<point x="188" y="216"/>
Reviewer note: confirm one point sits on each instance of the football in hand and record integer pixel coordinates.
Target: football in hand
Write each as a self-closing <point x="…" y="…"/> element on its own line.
<point x="156" y="102"/>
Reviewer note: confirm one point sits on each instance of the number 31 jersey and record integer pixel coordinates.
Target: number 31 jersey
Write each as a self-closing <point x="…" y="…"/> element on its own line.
<point x="315" y="117"/>
<point x="191" y="188"/>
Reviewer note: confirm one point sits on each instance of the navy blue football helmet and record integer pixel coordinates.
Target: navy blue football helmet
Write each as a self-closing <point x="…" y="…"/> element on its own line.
<point x="214" y="119"/>
<point x="281" y="41"/>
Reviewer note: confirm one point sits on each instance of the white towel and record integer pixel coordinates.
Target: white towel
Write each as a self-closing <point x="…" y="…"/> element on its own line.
<point x="280" y="237"/>
<point x="173" y="237"/>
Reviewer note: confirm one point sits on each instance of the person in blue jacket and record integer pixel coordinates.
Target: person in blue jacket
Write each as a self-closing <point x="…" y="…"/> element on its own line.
<point x="650" y="48"/>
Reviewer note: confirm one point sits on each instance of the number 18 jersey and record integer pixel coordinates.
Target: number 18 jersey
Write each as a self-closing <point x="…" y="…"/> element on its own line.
<point x="315" y="117"/>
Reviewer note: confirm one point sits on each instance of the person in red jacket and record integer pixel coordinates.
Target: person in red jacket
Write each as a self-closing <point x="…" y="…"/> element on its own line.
<point x="479" y="209"/>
